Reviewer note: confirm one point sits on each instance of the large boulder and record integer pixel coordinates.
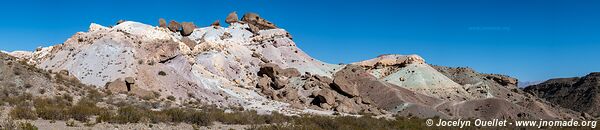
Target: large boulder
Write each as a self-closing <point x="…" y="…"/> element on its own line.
<point x="278" y="76"/>
<point x="217" y="23"/>
<point x="130" y="80"/>
<point x="231" y="18"/>
<point x="346" y="80"/>
<point x="162" y="23"/>
<point x="187" y="28"/>
<point x="324" y="96"/>
<point x="117" y="86"/>
<point x="256" y="20"/>
<point x="174" y="26"/>
<point x="128" y="86"/>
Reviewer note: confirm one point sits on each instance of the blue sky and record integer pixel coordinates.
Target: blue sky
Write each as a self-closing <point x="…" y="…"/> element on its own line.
<point x="528" y="39"/>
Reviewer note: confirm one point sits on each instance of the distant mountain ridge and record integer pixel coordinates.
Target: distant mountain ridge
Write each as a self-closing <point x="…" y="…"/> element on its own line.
<point x="578" y="93"/>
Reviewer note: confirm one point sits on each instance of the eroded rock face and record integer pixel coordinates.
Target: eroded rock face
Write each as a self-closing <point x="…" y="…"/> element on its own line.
<point x="220" y="71"/>
<point x="308" y="90"/>
<point x="189" y="42"/>
<point x="231" y="18"/>
<point x="187" y="28"/>
<point x="581" y="94"/>
<point x="484" y="85"/>
<point x="174" y="26"/>
<point x="381" y="94"/>
<point x="391" y="60"/>
<point x="162" y="23"/>
<point x="255" y="20"/>
<point x="503" y="80"/>
<point x="279" y="77"/>
<point x="253" y="28"/>
<point x="348" y="79"/>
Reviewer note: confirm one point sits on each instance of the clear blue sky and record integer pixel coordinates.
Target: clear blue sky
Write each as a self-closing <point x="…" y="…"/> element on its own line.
<point x="528" y="39"/>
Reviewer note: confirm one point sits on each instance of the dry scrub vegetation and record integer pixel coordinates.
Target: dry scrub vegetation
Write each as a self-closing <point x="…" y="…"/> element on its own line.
<point x="86" y="111"/>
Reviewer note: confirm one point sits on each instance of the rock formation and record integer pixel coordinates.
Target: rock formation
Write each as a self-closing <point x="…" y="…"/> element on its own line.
<point x="254" y="20"/>
<point x="256" y="65"/>
<point x="174" y="26"/>
<point x="162" y="23"/>
<point x="308" y="91"/>
<point x="231" y="18"/>
<point x="216" y="23"/>
<point x="189" y="42"/>
<point x="187" y="28"/>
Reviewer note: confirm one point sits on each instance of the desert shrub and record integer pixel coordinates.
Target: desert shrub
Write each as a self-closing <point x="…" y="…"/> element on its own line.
<point x="158" y="116"/>
<point x="200" y="118"/>
<point x="15" y="98"/>
<point x="316" y="122"/>
<point x="16" y="71"/>
<point x="7" y="124"/>
<point x="27" y="126"/>
<point x="162" y="73"/>
<point x="177" y="115"/>
<point x="60" y="108"/>
<point x="67" y="97"/>
<point x="84" y="109"/>
<point x="136" y="114"/>
<point x="172" y="98"/>
<point x="128" y="114"/>
<point x="70" y="123"/>
<point x="23" y="112"/>
<point x="27" y="85"/>
<point x="276" y="118"/>
<point x="247" y="117"/>
<point x="105" y="116"/>
<point x="51" y="109"/>
<point x="94" y="95"/>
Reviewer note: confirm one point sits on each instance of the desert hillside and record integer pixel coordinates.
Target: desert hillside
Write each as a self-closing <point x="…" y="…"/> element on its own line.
<point x="178" y="72"/>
